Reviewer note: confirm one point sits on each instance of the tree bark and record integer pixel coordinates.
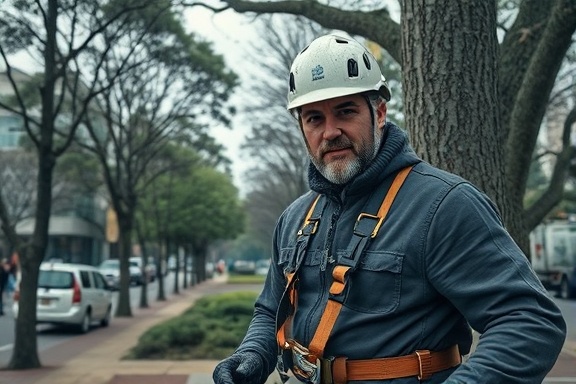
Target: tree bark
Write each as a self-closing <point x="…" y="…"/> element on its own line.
<point x="25" y="353"/>
<point x="445" y="106"/>
<point x="125" y="225"/>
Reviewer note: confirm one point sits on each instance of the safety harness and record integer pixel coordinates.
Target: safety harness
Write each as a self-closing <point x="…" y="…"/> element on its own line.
<point x="309" y="364"/>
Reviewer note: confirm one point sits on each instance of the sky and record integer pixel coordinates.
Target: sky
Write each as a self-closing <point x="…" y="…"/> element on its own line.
<point x="230" y="33"/>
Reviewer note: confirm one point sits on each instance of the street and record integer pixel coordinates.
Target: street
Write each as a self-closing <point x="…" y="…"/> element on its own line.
<point x="51" y="335"/>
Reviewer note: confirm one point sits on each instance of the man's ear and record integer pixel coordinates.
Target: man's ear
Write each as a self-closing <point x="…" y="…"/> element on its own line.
<point x="381" y="114"/>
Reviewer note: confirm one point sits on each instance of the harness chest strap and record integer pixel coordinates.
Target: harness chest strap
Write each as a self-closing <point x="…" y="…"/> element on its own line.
<point x="341" y="370"/>
<point x="340" y="273"/>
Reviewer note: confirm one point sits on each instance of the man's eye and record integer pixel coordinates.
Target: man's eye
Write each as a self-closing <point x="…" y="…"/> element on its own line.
<point x="313" y="119"/>
<point x="347" y="111"/>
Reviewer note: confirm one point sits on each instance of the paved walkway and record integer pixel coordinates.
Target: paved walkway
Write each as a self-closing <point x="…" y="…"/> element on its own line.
<point x="96" y="358"/>
<point x="73" y="362"/>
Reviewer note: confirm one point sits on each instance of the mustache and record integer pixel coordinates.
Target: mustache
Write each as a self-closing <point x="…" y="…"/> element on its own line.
<point x="340" y="142"/>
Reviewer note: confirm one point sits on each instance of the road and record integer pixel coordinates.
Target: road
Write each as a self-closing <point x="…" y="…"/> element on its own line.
<point x="50" y="335"/>
<point x="568" y="308"/>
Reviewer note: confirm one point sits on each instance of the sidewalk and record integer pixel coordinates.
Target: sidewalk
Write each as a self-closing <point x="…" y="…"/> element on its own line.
<point x="101" y="362"/>
<point x="74" y="363"/>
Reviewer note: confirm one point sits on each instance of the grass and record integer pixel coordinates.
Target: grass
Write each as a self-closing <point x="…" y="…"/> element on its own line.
<point x="246" y="279"/>
<point x="210" y="329"/>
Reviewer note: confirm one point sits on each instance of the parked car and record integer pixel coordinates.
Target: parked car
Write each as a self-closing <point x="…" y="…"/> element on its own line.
<point x="147" y="271"/>
<point x="262" y="267"/>
<point x="111" y="270"/>
<point x="71" y="294"/>
<point x="244" y="267"/>
<point x="152" y="268"/>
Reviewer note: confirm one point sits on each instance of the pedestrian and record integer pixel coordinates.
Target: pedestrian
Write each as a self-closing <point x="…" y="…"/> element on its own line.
<point x="382" y="270"/>
<point x="4" y="279"/>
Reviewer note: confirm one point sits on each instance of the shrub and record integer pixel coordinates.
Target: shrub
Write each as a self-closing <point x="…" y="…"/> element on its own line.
<point x="210" y="329"/>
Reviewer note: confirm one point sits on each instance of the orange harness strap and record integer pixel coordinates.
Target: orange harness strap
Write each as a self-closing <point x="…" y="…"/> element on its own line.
<point x="291" y="278"/>
<point x="340" y="274"/>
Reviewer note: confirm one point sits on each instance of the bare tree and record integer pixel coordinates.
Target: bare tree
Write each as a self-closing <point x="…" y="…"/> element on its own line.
<point x="169" y="82"/>
<point x="56" y="34"/>
<point x="472" y="107"/>
<point x="18" y="175"/>
<point x="274" y="143"/>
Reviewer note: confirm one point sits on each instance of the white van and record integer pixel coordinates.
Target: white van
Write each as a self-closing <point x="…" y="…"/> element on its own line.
<point x="553" y="256"/>
<point x="73" y="294"/>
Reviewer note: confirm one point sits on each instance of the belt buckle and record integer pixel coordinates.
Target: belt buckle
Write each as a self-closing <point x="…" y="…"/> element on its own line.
<point x="303" y="368"/>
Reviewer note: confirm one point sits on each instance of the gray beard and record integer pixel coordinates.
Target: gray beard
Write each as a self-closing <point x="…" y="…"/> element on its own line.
<point x="341" y="174"/>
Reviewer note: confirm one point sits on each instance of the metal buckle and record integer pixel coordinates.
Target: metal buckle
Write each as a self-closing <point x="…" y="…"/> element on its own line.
<point x="424" y="364"/>
<point x="303" y="368"/>
<point x="367" y="216"/>
<point x="304" y="229"/>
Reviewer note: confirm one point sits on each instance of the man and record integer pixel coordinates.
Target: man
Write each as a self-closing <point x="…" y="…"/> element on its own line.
<point x="382" y="278"/>
<point x="4" y="278"/>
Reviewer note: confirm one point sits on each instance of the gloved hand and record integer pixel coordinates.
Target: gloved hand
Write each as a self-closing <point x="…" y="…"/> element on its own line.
<point x="241" y="368"/>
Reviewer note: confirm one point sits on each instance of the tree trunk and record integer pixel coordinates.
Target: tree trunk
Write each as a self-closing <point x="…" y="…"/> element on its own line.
<point x="144" y="287"/>
<point x="162" y="266"/>
<point x="25" y="352"/>
<point x="176" y="289"/>
<point x="442" y="45"/>
<point x="125" y="225"/>
<point x="144" y="257"/>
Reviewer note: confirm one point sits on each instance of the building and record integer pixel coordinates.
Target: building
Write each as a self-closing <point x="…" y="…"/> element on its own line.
<point x="77" y="224"/>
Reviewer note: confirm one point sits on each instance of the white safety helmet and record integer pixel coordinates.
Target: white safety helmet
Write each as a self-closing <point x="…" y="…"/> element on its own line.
<point x="333" y="66"/>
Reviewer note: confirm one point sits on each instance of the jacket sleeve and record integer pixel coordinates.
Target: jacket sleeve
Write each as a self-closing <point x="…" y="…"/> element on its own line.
<point x="261" y="334"/>
<point x="472" y="261"/>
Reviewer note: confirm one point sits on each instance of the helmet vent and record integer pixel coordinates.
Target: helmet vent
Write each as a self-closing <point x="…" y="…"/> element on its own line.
<point x="340" y="41"/>
<point x="352" y="68"/>
<point x="292" y="85"/>
<point x="366" y="60"/>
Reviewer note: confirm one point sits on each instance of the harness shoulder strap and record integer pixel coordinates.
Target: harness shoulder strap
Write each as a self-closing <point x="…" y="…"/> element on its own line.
<point x="366" y="228"/>
<point x="288" y="301"/>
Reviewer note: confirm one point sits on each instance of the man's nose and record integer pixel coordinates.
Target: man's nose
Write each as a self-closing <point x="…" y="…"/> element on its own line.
<point x="331" y="130"/>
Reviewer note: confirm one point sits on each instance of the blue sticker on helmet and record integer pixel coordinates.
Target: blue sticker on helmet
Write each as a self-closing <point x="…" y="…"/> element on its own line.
<point x="317" y="73"/>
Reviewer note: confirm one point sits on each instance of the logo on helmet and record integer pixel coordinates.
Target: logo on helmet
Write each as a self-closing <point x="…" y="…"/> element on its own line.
<point x="317" y="73"/>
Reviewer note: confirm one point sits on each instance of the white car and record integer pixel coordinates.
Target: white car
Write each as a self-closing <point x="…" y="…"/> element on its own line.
<point x="149" y="270"/>
<point x="111" y="270"/>
<point x="72" y="294"/>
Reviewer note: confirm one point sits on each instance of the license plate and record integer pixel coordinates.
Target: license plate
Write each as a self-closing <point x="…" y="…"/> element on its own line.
<point x="45" y="301"/>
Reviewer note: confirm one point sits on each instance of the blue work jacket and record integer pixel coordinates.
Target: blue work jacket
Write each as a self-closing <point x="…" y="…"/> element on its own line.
<point x="441" y="265"/>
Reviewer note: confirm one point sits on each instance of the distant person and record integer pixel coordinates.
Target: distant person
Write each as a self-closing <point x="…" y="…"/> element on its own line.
<point x="379" y="273"/>
<point x="4" y="278"/>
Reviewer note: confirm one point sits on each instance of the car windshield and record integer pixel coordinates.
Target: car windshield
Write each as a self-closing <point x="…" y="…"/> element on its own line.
<point x="55" y="279"/>
<point x="110" y="264"/>
<point x="133" y="264"/>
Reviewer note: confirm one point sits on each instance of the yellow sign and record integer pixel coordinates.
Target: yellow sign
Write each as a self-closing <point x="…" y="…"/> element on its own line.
<point x="112" y="232"/>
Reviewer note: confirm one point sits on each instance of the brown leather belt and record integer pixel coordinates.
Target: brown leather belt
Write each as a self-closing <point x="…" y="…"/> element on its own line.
<point x="422" y="364"/>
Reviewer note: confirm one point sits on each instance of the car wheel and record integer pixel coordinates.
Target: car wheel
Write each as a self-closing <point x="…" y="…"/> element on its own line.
<point x="84" y="326"/>
<point x="106" y="320"/>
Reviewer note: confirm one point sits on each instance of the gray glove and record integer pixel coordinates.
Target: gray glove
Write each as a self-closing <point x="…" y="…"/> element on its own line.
<point x="241" y="368"/>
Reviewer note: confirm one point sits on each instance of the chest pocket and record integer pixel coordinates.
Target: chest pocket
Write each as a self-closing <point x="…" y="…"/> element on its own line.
<point x="287" y="259"/>
<point x="374" y="287"/>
